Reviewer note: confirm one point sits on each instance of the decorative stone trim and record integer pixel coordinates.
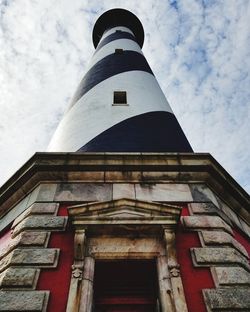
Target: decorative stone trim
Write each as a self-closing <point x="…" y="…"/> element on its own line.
<point x="218" y="256"/>
<point x="165" y="287"/>
<point x="50" y="223"/>
<point x="131" y="216"/>
<point x="41" y="258"/>
<point x="221" y="238"/>
<point x="26" y="239"/>
<point x="27" y="301"/>
<point x="37" y="209"/>
<point x="86" y="300"/>
<point x="227" y="299"/>
<point x="14" y="277"/>
<point x="226" y="276"/>
<point x="174" y="272"/>
<point x="205" y="222"/>
<point x="77" y="271"/>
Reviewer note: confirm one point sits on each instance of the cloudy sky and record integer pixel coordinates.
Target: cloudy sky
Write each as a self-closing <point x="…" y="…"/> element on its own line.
<point x="198" y="49"/>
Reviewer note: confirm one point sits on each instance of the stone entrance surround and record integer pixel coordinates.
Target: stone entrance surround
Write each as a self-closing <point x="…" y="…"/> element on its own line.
<point x="125" y="229"/>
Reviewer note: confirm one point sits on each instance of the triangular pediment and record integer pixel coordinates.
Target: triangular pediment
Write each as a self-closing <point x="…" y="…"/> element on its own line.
<point x="125" y="211"/>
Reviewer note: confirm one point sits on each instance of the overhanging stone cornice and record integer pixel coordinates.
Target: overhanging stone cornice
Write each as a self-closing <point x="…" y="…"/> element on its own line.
<point x="124" y="167"/>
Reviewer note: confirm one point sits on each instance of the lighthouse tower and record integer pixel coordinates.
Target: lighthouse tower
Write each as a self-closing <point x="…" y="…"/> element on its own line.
<point x="121" y="214"/>
<point x="119" y="106"/>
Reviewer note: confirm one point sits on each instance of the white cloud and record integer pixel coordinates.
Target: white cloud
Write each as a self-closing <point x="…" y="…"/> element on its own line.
<point x="198" y="50"/>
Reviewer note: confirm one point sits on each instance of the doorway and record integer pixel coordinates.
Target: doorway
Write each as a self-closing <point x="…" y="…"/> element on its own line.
<point x="125" y="286"/>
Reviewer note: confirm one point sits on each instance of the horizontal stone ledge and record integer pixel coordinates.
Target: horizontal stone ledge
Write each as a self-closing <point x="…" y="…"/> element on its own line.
<point x="228" y="299"/>
<point x="37" y="209"/>
<point x="14" y="277"/>
<point x="221" y="238"/>
<point x="226" y="276"/>
<point x="205" y="222"/>
<point x="28" y="239"/>
<point x="28" y="301"/>
<point x="214" y="256"/>
<point x="39" y="257"/>
<point x="48" y="223"/>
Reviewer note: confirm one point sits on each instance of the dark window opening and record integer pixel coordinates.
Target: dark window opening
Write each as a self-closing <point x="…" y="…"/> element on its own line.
<point x="118" y="51"/>
<point x="125" y="285"/>
<point x="120" y="97"/>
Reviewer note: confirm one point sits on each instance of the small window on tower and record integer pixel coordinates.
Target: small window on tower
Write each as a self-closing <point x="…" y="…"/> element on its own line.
<point x="120" y="98"/>
<point x="118" y="51"/>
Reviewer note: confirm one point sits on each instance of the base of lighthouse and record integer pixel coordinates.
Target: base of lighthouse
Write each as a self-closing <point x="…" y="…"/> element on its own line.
<point x="124" y="232"/>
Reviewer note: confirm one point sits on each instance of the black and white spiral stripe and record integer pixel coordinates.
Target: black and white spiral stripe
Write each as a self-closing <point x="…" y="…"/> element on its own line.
<point x="92" y="123"/>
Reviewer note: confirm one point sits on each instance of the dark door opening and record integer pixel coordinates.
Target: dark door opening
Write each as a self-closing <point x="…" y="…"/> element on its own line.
<point x="127" y="285"/>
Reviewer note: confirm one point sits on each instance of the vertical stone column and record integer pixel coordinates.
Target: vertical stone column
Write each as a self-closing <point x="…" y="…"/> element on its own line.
<point x="77" y="272"/>
<point x="86" y="301"/>
<point x="174" y="271"/>
<point x="165" y="292"/>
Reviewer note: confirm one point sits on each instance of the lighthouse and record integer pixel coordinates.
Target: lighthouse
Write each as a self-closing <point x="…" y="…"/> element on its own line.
<point x="120" y="214"/>
<point x="119" y="105"/>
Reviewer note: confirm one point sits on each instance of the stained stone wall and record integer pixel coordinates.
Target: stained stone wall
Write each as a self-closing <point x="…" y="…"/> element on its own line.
<point x="227" y="258"/>
<point x="23" y="255"/>
<point x="24" y="251"/>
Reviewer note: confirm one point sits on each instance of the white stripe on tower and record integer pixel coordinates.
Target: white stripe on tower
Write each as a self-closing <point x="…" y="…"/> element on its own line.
<point x="119" y="105"/>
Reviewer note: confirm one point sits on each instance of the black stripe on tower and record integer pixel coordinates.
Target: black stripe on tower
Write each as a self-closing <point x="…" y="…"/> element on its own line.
<point x="109" y="66"/>
<point x="115" y="36"/>
<point x="149" y="132"/>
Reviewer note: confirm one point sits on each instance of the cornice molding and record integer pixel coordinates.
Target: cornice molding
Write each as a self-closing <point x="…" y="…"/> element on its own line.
<point x="124" y="167"/>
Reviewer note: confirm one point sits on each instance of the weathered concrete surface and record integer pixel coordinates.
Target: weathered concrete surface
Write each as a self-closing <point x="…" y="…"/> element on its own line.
<point x="228" y="299"/>
<point x="208" y="209"/>
<point x="163" y="192"/>
<point x="205" y="222"/>
<point x="32" y="257"/>
<point x="123" y="190"/>
<point x="49" y="223"/>
<point x="222" y="238"/>
<point x="23" y="300"/>
<point x="83" y="192"/>
<point x="201" y="193"/>
<point x="215" y="256"/>
<point x="25" y="239"/>
<point x="46" y="192"/>
<point x="19" y="277"/>
<point x="37" y="209"/>
<point x="224" y="276"/>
